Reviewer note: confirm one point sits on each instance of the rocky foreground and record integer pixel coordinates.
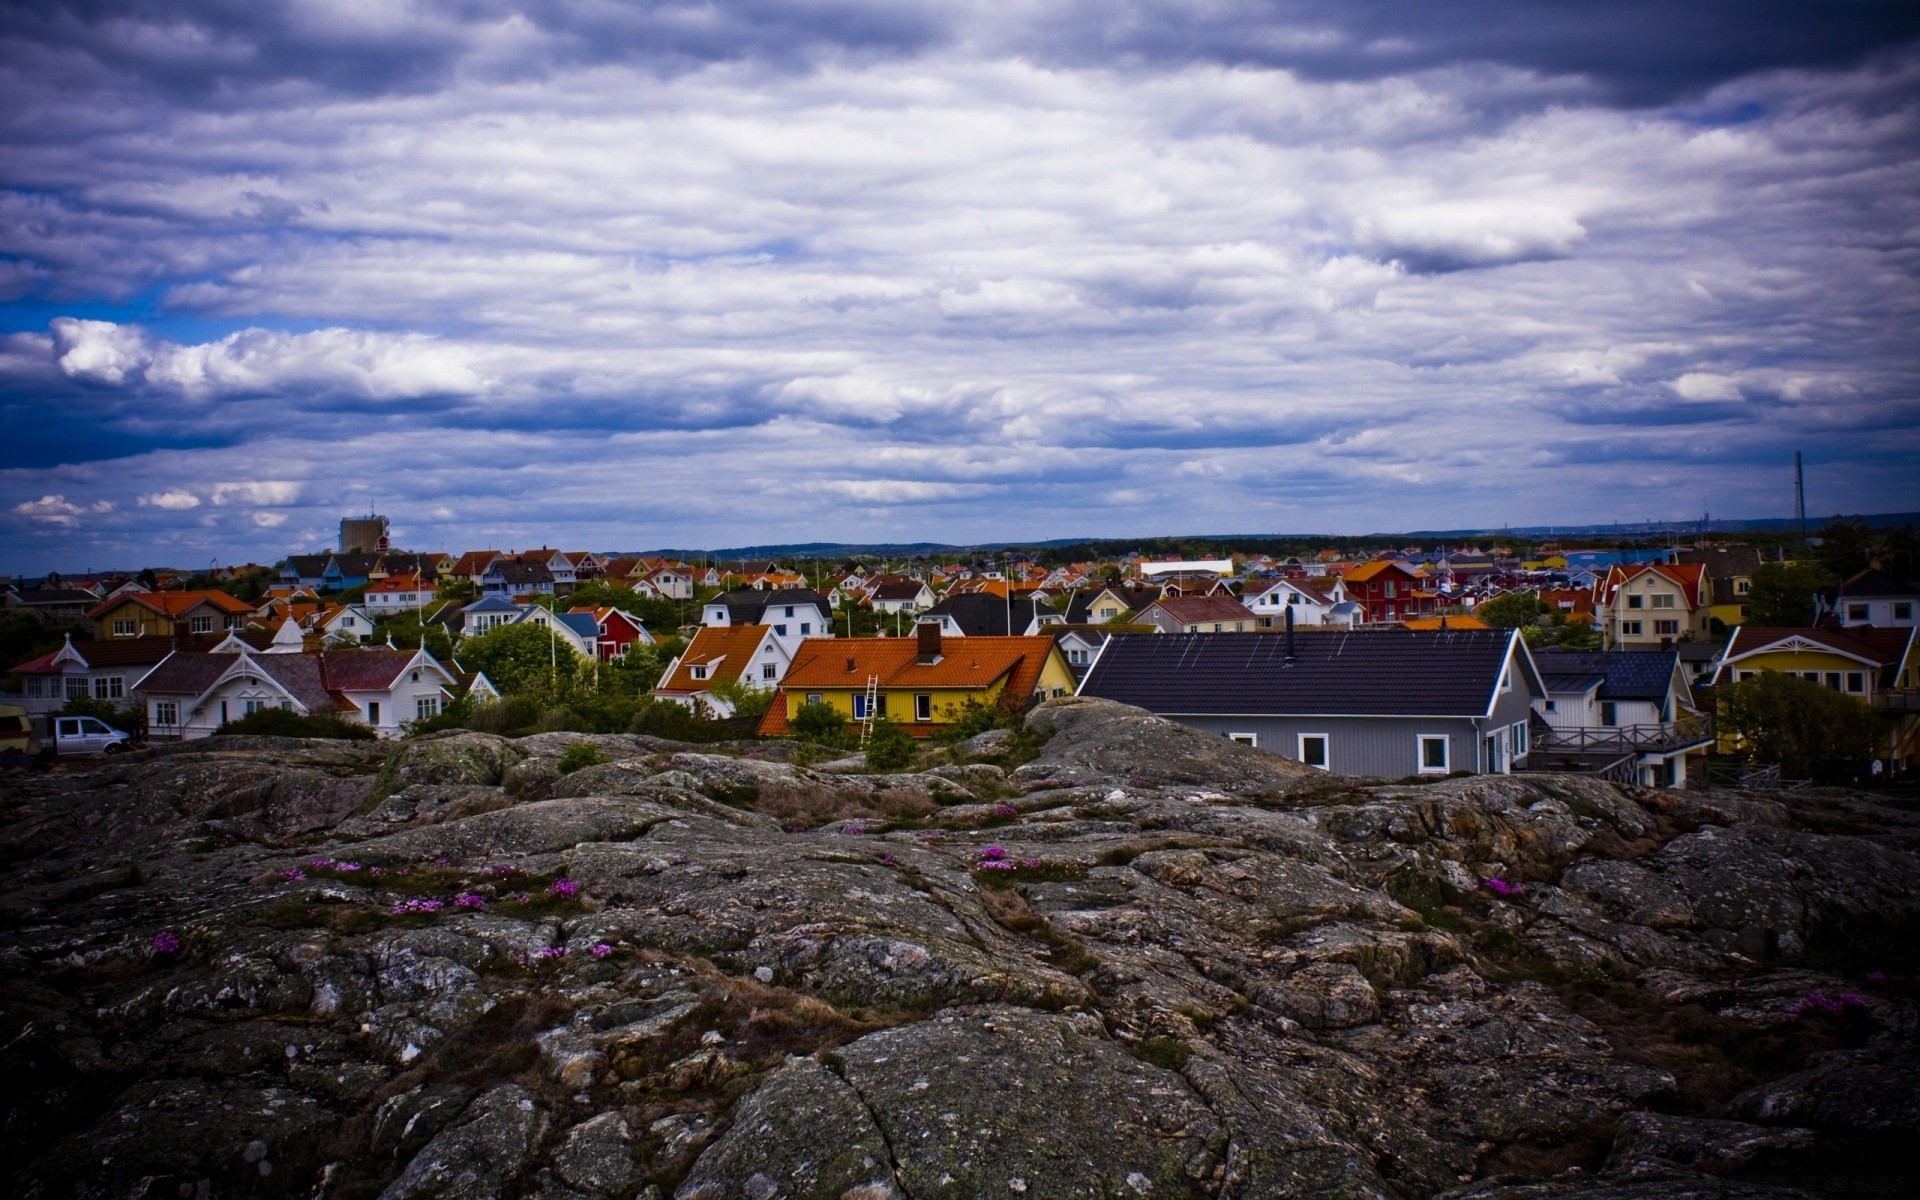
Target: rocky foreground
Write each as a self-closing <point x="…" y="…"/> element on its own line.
<point x="1143" y="963"/>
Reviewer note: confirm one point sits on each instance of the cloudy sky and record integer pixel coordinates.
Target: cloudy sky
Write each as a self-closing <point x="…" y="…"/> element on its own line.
<point x="627" y="274"/>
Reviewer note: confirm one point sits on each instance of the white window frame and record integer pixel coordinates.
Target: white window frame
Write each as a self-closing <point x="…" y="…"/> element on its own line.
<point x="123" y="627"/>
<point x="860" y="706"/>
<point x="166" y="713"/>
<point x="1245" y="739"/>
<point x="923" y="707"/>
<point x="1420" y="753"/>
<point x="1517" y="745"/>
<point x="200" y="624"/>
<point x="1326" y="750"/>
<point x="425" y="706"/>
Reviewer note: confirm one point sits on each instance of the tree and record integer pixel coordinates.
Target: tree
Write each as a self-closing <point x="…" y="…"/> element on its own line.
<point x="1782" y="593"/>
<point x="1813" y="732"/>
<point x="523" y="660"/>
<point x="1511" y="610"/>
<point x="1845" y="546"/>
<point x="749" y="703"/>
<point x="405" y="630"/>
<point x="889" y="746"/>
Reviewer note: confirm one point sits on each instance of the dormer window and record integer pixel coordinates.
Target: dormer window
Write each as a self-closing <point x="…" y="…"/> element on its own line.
<point x="699" y="672"/>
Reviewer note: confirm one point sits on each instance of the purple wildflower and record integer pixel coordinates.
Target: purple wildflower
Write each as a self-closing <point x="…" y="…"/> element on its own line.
<point x="469" y="900"/>
<point x="441" y="862"/>
<point x="402" y="870"/>
<point x="1852" y="1000"/>
<point x="601" y="949"/>
<point x="293" y="873"/>
<point x="996" y="864"/>
<point x="1005" y="810"/>
<point x="890" y="860"/>
<point x="1029" y="864"/>
<point x="566" y="889"/>
<point x="503" y="871"/>
<point x="1501" y="887"/>
<point x="346" y="866"/>
<point x="377" y="871"/>
<point x="993" y="853"/>
<point x="320" y="864"/>
<point x="522" y="898"/>
<point x="1876" y="976"/>
<point x="853" y="829"/>
<point x="166" y="942"/>
<point x="553" y="951"/>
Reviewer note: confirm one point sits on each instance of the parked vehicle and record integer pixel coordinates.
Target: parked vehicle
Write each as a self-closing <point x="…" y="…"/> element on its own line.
<point x="88" y="735"/>
<point x="16" y="731"/>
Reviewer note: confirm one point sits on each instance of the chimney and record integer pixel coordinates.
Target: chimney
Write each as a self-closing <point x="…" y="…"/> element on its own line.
<point x="853" y="664"/>
<point x="180" y="633"/>
<point x="928" y="633"/>
<point x="1289" y="658"/>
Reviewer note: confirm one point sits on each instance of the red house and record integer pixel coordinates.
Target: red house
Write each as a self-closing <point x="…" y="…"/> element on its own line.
<point x="618" y="630"/>
<point x="1388" y="591"/>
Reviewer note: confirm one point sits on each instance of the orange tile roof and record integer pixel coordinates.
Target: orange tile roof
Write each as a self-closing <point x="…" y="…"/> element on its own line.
<point x="732" y="644"/>
<point x="965" y="662"/>
<point x="172" y="604"/>
<point x="1445" y="623"/>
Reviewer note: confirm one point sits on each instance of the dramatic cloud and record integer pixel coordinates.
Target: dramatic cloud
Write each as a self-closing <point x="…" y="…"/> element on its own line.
<point x="658" y="274"/>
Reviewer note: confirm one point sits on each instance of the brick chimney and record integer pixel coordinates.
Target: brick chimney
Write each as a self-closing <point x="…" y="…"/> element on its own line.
<point x="928" y="633"/>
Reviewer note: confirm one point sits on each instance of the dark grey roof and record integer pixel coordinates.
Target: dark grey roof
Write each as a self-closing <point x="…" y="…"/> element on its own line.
<point x="1630" y="674"/>
<point x="981" y="615"/>
<point x="1375" y="673"/>
<point x="308" y="566"/>
<point x="1872" y="582"/>
<point x="1134" y="598"/>
<point x="1579" y="681"/>
<point x="745" y="605"/>
<point x="1722" y="562"/>
<point x="519" y="571"/>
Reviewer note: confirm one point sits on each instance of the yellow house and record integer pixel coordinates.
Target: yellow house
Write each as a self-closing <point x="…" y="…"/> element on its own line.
<point x="1729" y="571"/>
<point x="1880" y="667"/>
<point x="920" y="683"/>
<point x="155" y="614"/>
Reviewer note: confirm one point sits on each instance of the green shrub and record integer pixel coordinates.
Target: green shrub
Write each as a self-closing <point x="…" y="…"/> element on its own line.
<point x="581" y="754"/>
<point x="820" y="722"/>
<point x="889" y="747"/>
<point x="284" y="722"/>
<point x="677" y="722"/>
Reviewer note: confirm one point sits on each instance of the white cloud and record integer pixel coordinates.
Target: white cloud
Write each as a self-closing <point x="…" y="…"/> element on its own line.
<point x="178" y="498"/>
<point x="257" y="491"/>
<point x="1705" y="385"/>
<point x="55" y="509"/>
<point x="269" y="520"/>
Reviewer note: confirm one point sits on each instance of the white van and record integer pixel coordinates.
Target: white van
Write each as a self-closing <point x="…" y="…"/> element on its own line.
<point x="87" y="735"/>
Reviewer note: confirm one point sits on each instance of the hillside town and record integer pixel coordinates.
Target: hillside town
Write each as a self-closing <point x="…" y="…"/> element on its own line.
<point x="1642" y="663"/>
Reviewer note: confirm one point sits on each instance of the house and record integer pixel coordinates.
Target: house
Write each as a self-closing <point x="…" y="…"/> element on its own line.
<point x="1197" y="614"/>
<point x="488" y="612"/>
<point x="1729" y="571"/>
<point x="617" y="631"/>
<point x="794" y="614"/>
<point x="979" y="614"/>
<point x="1383" y="702"/>
<point x="154" y="614"/>
<point x="1879" y="667"/>
<point x="1627" y="715"/>
<point x="719" y="655"/>
<point x="1389" y="591"/>
<point x="348" y="571"/>
<point x="899" y="595"/>
<point x="1081" y="643"/>
<point x="473" y="565"/>
<point x="922" y="683"/>
<point x="1270" y="599"/>
<point x="517" y="577"/>
<point x="53" y="603"/>
<point x="579" y="630"/>
<point x="305" y="571"/>
<point x="1097" y="606"/>
<point x="105" y="671"/>
<point x="399" y="593"/>
<point x="191" y="695"/>
<point x="1868" y="597"/>
<point x="1649" y="605"/>
<point x="672" y="583"/>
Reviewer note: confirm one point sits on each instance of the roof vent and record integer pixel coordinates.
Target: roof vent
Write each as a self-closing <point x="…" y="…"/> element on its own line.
<point x="852" y="664"/>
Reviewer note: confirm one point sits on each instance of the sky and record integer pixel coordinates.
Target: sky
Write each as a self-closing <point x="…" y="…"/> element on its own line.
<point x="623" y="275"/>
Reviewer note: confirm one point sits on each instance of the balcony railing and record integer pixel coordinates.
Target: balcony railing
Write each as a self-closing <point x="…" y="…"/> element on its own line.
<point x="1897" y="702"/>
<point x="1691" y="730"/>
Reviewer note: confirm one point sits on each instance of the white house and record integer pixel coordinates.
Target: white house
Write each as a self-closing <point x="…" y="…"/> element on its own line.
<point x="721" y="654"/>
<point x="794" y="614"/>
<point x="190" y="695"/>
<point x="1271" y="598"/>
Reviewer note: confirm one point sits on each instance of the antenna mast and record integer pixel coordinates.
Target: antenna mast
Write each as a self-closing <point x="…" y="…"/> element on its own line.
<point x="1800" y="496"/>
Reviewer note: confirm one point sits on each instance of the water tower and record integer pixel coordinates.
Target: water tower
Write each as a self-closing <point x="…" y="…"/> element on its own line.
<point x="363" y="535"/>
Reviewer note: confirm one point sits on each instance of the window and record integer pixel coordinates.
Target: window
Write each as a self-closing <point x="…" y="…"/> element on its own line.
<point x="1629" y="629"/>
<point x="1433" y="754"/>
<point x="859" y="708"/>
<point x="1506" y="679"/>
<point x="1744" y="675"/>
<point x="1313" y="750"/>
<point x="1742" y="586"/>
<point x="373" y="712"/>
<point x="806" y="627"/>
<point x="768" y="671"/>
<point x="698" y="670"/>
<point x="426" y="706"/>
<point x="1518" y="736"/>
<point x="1903" y="611"/>
<point x="779" y="631"/>
<point x="1077" y="658"/>
<point x="1636" y="601"/>
<point x="1245" y="739"/>
<point x="77" y="689"/>
<point x="1833" y="680"/>
<point x="108" y="688"/>
<point x="33" y="685"/>
<point x="1390" y="593"/>
<point x="166" y="712"/>
<point x="1609" y="713"/>
<point x="1551" y="706"/>
<point x="923" y="708"/>
<point x="1666" y="628"/>
<point x="1663" y="600"/>
<point x="123" y="628"/>
<point x="1857" y="612"/>
<point x="1856" y="682"/>
<point x="200" y="625"/>
<point x="789" y="611"/>
<point x="254" y="706"/>
<point x="814" y="698"/>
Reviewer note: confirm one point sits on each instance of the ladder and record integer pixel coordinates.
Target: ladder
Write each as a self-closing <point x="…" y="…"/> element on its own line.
<point x="873" y="701"/>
